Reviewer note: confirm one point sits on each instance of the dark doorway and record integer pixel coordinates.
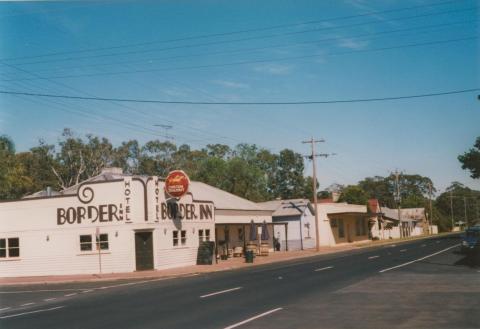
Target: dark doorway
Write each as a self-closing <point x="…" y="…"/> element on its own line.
<point x="144" y="250"/>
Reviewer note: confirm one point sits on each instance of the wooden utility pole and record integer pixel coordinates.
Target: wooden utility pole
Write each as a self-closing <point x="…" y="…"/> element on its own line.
<point x="465" y="206"/>
<point x="400" y="226"/>
<point x="314" y="165"/>
<point x="451" y="209"/>
<point x="430" y="222"/>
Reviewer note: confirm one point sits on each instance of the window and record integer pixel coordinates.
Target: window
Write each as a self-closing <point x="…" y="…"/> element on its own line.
<point x="204" y="235"/>
<point x="175" y="238"/>
<point x="102" y="241"/>
<point x="341" y="229"/>
<point x="240" y="234"/>
<point x="333" y="222"/>
<point x="85" y="242"/>
<point x="183" y="235"/>
<point x="10" y="248"/>
<point x="360" y="227"/>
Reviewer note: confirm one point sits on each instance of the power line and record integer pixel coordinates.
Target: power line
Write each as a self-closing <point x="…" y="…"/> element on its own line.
<point x="334" y="101"/>
<point x="253" y="49"/>
<point x="212" y="43"/>
<point x="412" y="45"/>
<point x="235" y="32"/>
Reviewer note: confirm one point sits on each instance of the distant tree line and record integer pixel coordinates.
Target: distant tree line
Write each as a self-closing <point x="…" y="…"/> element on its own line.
<point x="246" y="170"/>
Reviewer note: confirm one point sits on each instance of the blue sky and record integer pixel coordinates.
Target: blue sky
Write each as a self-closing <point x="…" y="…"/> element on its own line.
<point x="421" y="136"/>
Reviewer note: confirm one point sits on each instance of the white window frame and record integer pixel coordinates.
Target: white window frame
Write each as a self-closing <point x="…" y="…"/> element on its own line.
<point x="8" y="248"/>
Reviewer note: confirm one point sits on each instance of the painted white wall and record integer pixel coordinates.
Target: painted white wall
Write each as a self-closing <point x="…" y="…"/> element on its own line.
<point x="50" y="248"/>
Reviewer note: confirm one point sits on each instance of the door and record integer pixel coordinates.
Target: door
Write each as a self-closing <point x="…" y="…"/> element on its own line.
<point x="349" y="233"/>
<point x="144" y="250"/>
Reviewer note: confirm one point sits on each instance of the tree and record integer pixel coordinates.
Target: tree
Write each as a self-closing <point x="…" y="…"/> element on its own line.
<point x="14" y="178"/>
<point x="471" y="160"/>
<point x="353" y="194"/>
<point x="452" y="203"/>
<point x="289" y="176"/>
<point x="156" y="158"/>
<point x="379" y="188"/>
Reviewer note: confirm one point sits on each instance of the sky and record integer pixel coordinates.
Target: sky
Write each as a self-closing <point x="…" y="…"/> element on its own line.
<point x="252" y="51"/>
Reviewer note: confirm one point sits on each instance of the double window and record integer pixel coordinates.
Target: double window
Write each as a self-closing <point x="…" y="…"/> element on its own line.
<point x="86" y="242"/>
<point x="179" y="238"/>
<point x="203" y="235"/>
<point x="10" y="248"/>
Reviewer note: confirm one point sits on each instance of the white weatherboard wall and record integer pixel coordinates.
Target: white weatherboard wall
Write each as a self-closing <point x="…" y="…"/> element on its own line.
<point x="301" y="231"/>
<point x="50" y="245"/>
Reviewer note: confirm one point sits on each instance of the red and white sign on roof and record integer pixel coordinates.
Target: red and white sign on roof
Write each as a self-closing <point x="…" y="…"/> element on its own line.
<point x="176" y="184"/>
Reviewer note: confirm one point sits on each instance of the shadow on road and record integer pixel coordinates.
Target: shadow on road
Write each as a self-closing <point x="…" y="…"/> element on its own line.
<point x="470" y="260"/>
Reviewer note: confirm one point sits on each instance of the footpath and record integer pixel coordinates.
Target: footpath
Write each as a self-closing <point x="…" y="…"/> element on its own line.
<point x="222" y="265"/>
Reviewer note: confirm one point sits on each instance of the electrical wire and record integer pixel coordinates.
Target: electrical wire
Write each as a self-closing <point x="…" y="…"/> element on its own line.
<point x="212" y="43"/>
<point x="333" y="101"/>
<point x="372" y="13"/>
<point x="412" y="45"/>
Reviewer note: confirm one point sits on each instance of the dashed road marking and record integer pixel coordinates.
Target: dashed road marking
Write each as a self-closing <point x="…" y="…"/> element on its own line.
<point x="419" y="259"/>
<point x="238" y="324"/>
<point x="27" y="304"/>
<point x="49" y="299"/>
<point x="403" y="250"/>
<point x="86" y="291"/>
<point x="373" y="257"/>
<point x="323" y="268"/>
<point x="423" y="245"/>
<point x="31" y="312"/>
<point x="220" y="292"/>
<point x="5" y="308"/>
<point x="70" y="295"/>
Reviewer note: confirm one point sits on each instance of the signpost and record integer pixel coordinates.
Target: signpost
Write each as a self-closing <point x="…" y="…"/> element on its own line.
<point x="97" y="238"/>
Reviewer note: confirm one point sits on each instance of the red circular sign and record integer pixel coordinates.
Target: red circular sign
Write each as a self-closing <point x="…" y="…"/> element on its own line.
<point x="176" y="184"/>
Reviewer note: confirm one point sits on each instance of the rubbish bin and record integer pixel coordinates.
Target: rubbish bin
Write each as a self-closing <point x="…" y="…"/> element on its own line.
<point x="249" y="255"/>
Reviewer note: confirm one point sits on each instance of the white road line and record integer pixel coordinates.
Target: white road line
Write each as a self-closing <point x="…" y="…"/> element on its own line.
<point x="323" y="268"/>
<point x="26" y="304"/>
<point x="373" y="257"/>
<point x="220" y="292"/>
<point x="419" y="259"/>
<point x="85" y="291"/>
<point x="70" y="295"/>
<point x="49" y="299"/>
<point x="31" y="312"/>
<point x="403" y="250"/>
<point x="253" y="318"/>
<point x="423" y="245"/>
<point x="5" y="308"/>
<point x="41" y="290"/>
<point x="438" y="241"/>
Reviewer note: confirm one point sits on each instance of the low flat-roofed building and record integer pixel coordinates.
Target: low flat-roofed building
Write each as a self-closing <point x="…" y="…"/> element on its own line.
<point x="342" y="223"/>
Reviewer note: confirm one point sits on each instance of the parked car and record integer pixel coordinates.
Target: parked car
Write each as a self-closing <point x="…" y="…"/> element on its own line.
<point x="471" y="240"/>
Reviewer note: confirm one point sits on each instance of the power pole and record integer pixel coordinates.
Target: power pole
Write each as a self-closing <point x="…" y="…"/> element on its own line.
<point x="465" y="206"/>
<point x="397" y="174"/>
<point x="451" y="209"/>
<point x="314" y="165"/>
<point x="430" y="223"/>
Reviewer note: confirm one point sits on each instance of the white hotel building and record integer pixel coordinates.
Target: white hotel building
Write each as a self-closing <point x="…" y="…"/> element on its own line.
<point x="114" y="223"/>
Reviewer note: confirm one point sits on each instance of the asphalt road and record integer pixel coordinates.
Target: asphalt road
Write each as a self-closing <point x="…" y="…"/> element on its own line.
<point x="419" y="284"/>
